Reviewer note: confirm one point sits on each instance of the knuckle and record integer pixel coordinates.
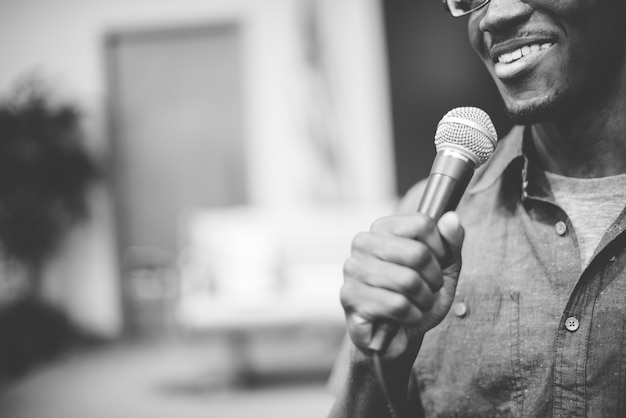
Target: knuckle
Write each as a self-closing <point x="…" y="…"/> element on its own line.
<point x="421" y="256"/>
<point x="383" y="224"/>
<point x="360" y="240"/>
<point x="354" y="270"/>
<point x="418" y="290"/>
<point x="409" y="282"/>
<point x="425" y="225"/>
<point x="350" y="267"/>
<point x="399" y="307"/>
<point x="346" y="297"/>
<point x="378" y="224"/>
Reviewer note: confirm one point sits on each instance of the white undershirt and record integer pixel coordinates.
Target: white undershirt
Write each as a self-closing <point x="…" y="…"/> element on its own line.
<point x="592" y="206"/>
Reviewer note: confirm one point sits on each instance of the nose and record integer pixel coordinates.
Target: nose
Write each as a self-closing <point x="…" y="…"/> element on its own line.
<point x="500" y="15"/>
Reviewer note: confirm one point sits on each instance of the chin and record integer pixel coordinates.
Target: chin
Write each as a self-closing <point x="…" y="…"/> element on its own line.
<point x="539" y="109"/>
<point x="531" y="113"/>
<point x="564" y="102"/>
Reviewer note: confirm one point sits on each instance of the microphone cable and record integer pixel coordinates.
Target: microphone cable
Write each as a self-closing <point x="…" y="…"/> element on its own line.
<point x="465" y="139"/>
<point x="395" y="410"/>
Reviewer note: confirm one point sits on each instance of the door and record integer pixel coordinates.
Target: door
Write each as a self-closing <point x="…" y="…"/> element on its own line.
<point x="177" y="134"/>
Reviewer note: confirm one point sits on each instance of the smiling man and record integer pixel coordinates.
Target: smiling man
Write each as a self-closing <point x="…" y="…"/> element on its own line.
<point x="532" y="321"/>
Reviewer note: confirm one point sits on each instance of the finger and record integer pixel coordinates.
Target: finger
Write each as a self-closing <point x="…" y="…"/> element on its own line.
<point x="374" y="304"/>
<point x="416" y="226"/>
<point x="361" y="331"/>
<point x="397" y="345"/>
<point x="453" y="234"/>
<point x="393" y="277"/>
<point x="450" y="228"/>
<point x="401" y="251"/>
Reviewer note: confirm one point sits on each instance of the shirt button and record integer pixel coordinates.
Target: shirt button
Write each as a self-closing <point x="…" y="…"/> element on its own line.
<point x="561" y="228"/>
<point x="572" y="324"/>
<point x="460" y="309"/>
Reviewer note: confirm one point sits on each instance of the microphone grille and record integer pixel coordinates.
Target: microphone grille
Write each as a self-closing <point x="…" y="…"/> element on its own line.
<point x="467" y="130"/>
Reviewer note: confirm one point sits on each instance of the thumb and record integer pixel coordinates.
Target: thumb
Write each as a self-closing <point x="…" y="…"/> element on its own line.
<point x="450" y="229"/>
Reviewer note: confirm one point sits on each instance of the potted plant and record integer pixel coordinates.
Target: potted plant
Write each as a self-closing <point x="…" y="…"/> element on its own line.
<point x="45" y="173"/>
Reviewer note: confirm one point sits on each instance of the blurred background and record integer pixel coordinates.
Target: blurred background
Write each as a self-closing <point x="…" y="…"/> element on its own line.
<point x="180" y="181"/>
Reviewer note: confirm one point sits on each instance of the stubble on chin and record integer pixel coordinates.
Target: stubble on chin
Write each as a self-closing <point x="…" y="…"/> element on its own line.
<point x="560" y="105"/>
<point x="565" y="104"/>
<point x="531" y="113"/>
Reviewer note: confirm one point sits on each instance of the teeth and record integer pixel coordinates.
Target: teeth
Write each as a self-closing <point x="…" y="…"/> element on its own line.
<point x="505" y="58"/>
<point x="509" y="57"/>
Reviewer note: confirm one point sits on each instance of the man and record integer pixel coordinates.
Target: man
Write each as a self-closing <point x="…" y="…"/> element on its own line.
<point x="532" y="321"/>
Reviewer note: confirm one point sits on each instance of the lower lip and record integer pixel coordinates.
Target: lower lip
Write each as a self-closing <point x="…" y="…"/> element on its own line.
<point x="519" y="67"/>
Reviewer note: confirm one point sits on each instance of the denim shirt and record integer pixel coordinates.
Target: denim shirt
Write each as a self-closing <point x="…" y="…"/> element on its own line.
<point x="529" y="333"/>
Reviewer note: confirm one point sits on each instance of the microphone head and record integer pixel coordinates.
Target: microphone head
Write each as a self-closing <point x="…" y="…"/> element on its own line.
<point x="469" y="132"/>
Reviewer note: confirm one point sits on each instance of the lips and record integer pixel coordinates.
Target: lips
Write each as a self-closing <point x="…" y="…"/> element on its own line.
<point x="509" y="57"/>
<point x="514" y="49"/>
<point x="516" y="56"/>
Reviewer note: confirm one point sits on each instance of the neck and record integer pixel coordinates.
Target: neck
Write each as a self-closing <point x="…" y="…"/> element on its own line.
<point x="589" y="145"/>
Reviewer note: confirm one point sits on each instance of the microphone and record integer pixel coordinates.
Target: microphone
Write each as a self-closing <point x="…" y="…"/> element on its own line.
<point x="464" y="140"/>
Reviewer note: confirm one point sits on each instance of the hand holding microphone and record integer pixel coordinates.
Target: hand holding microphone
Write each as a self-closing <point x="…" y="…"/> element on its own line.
<point x="402" y="273"/>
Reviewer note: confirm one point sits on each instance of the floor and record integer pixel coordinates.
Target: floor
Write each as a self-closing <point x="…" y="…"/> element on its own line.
<point x="176" y="378"/>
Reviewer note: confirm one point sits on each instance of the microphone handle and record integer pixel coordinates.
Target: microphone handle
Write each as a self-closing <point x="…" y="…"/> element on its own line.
<point x="448" y="179"/>
<point x="446" y="184"/>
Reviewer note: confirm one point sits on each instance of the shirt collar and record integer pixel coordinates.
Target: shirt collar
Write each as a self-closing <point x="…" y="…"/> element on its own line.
<point x="511" y="158"/>
<point x="509" y="150"/>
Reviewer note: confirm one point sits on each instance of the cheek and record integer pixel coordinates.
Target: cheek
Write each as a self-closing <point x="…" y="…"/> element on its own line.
<point x="475" y="35"/>
<point x="595" y="60"/>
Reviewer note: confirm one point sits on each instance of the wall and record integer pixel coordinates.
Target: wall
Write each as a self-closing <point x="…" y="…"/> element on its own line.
<point x="63" y="39"/>
<point x="433" y="69"/>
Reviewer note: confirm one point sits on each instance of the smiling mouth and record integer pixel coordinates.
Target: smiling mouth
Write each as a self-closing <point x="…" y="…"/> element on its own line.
<point x="519" y="53"/>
